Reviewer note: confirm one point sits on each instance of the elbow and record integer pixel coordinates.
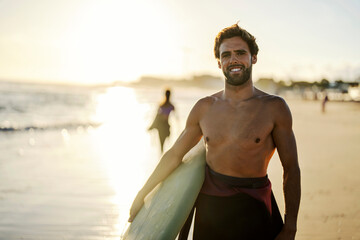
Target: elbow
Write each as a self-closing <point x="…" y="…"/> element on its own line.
<point x="293" y="171"/>
<point x="172" y="157"/>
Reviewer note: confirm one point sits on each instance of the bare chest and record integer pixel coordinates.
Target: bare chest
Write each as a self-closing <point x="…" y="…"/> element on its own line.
<point x="247" y="126"/>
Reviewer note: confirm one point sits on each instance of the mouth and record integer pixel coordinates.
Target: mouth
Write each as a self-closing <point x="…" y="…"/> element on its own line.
<point x="236" y="69"/>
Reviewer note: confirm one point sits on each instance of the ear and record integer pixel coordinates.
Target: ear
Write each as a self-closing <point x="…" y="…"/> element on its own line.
<point x="253" y="59"/>
<point x="219" y="64"/>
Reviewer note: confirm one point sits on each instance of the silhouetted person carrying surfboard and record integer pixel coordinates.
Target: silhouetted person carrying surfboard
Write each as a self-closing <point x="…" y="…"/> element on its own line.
<point x="242" y="127"/>
<point x="161" y="121"/>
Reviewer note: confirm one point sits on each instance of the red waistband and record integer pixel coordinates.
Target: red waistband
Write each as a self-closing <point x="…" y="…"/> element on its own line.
<point x="217" y="184"/>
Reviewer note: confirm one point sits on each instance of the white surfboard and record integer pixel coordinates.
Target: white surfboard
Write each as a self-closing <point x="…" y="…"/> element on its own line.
<point x="168" y="206"/>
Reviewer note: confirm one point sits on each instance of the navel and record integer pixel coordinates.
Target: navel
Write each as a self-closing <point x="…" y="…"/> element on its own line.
<point x="207" y="139"/>
<point x="257" y="140"/>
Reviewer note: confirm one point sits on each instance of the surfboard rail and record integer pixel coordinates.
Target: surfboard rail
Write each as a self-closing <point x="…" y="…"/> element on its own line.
<point x="167" y="207"/>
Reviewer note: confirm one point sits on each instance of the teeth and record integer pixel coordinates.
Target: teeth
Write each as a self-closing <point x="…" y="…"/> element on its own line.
<point x="235" y="70"/>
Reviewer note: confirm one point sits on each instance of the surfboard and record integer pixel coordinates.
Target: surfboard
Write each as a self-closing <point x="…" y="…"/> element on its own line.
<point x="167" y="207"/>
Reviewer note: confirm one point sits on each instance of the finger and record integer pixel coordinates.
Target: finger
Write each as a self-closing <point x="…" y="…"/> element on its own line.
<point x="131" y="218"/>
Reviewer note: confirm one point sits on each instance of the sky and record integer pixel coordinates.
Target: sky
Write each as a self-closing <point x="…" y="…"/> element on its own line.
<point x="101" y="41"/>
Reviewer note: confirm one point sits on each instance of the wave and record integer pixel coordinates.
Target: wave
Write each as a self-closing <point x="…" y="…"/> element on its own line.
<point x="67" y="126"/>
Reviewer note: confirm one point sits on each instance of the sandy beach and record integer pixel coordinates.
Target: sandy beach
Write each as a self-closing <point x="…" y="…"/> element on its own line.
<point x="78" y="183"/>
<point x="328" y="149"/>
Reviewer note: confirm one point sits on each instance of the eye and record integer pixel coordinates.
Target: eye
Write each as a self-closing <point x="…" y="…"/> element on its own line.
<point x="224" y="55"/>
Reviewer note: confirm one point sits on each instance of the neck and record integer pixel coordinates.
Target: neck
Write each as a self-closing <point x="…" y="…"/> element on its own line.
<point x="239" y="93"/>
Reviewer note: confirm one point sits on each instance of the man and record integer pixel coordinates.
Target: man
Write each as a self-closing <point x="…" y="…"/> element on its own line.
<point x="242" y="126"/>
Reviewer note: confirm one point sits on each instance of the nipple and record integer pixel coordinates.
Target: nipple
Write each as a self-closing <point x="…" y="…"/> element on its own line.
<point x="257" y="140"/>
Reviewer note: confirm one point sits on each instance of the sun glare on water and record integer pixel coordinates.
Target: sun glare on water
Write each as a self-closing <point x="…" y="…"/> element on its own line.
<point x="123" y="144"/>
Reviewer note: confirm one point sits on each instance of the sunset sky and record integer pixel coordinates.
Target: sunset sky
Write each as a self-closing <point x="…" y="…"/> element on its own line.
<point x="101" y="41"/>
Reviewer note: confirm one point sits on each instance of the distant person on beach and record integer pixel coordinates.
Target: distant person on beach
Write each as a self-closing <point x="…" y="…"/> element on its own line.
<point x="324" y="101"/>
<point x="242" y="127"/>
<point x="161" y="121"/>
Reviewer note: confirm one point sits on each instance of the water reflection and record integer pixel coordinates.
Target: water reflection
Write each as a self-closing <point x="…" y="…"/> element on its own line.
<point x="123" y="145"/>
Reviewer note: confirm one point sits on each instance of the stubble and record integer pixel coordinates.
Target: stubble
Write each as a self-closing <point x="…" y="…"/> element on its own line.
<point x="239" y="79"/>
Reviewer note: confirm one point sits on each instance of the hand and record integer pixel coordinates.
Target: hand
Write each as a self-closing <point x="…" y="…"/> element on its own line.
<point x="136" y="206"/>
<point x="286" y="234"/>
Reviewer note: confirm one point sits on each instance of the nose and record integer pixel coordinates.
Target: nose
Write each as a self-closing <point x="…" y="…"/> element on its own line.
<point x="233" y="59"/>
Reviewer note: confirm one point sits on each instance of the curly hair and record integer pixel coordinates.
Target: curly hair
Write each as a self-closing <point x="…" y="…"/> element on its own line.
<point x="235" y="31"/>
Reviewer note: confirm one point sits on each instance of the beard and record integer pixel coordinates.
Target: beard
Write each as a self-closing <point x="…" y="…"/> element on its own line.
<point x="238" y="79"/>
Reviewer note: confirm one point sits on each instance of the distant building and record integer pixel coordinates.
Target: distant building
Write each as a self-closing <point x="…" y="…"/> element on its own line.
<point x="354" y="91"/>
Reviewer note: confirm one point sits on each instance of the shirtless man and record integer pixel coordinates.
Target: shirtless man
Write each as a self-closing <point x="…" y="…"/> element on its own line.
<point x="242" y="126"/>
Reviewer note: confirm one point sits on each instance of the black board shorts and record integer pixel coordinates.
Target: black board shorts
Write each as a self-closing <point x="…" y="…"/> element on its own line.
<point x="236" y="216"/>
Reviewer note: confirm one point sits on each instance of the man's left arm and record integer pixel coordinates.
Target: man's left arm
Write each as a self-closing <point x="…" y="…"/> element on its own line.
<point x="286" y="146"/>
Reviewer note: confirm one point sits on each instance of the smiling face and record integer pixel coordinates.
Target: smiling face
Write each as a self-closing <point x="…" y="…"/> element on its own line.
<point x="236" y="61"/>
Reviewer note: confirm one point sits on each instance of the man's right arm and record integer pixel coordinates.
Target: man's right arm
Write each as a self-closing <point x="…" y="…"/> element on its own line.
<point x="190" y="136"/>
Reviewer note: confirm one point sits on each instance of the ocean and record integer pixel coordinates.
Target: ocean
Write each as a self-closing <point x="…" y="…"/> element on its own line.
<point x="72" y="158"/>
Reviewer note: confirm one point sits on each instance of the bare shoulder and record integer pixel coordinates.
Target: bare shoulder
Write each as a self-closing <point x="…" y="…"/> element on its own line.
<point x="201" y="107"/>
<point x="274" y="102"/>
<point x="204" y="103"/>
<point x="277" y="107"/>
<point x="280" y="110"/>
